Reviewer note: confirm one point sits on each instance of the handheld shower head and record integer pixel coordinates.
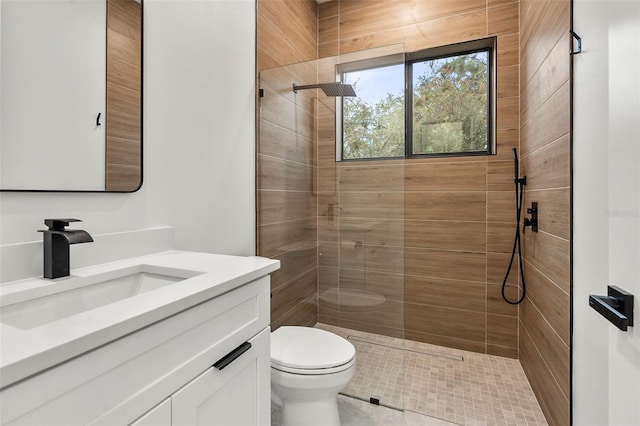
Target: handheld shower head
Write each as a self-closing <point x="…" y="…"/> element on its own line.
<point x="516" y="164"/>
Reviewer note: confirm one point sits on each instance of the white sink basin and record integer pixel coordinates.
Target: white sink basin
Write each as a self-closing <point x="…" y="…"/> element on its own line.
<point x="74" y="295"/>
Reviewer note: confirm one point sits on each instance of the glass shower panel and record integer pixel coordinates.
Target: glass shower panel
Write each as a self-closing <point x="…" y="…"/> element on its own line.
<point x="337" y="226"/>
<point x="360" y="175"/>
<point x="286" y="193"/>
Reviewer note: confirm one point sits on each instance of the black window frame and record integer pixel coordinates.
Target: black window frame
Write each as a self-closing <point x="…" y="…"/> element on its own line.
<point x="488" y="45"/>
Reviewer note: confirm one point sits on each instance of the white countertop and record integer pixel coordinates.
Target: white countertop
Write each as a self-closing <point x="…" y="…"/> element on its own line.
<point x="24" y="352"/>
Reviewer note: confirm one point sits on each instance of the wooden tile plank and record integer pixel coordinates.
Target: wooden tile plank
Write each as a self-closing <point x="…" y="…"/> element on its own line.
<point x="500" y="236"/>
<point x="554" y="207"/>
<point x="443" y="321"/>
<point x="548" y="167"/>
<point x="497" y="264"/>
<point x="554" y="352"/>
<point x="286" y="296"/>
<point x="500" y="176"/>
<point x="328" y="29"/>
<point x="445" y="264"/>
<point x="384" y="205"/>
<point x="501" y="206"/>
<point x="468" y="295"/>
<point x="277" y="174"/>
<point x="294" y="263"/>
<point x="390" y="315"/>
<point x="544" y="23"/>
<point x="361" y="17"/>
<point x="549" y="254"/>
<point x="504" y="19"/>
<point x="281" y="206"/>
<point x="375" y="176"/>
<point x="453" y="176"/>
<point x="550" y="301"/>
<point x="553" y="402"/>
<point x="548" y="123"/>
<point x="502" y="351"/>
<point x="445" y="205"/>
<point x="495" y="303"/>
<point x="508" y="81"/>
<point x="508" y="113"/>
<point x="328" y="9"/>
<point x="507" y="139"/>
<point x="446" y="235"/>
<point x="294" y="21"/>
<point x="282" y="237"/>
<point x="540" y="83"/>
<point x="304" y="314"/>
<point x="276" y="141"/>
<point x="502" y="330"/>
<point x="509" y="50"/>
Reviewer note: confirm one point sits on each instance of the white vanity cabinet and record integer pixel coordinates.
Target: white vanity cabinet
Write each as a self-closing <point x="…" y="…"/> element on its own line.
<point x="157" y="416"/>
<point x="162" y="374"/>
<point x="233" y="395"/>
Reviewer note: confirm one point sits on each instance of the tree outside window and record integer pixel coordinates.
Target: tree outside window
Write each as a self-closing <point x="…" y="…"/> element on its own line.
<point x="445" y="109"/>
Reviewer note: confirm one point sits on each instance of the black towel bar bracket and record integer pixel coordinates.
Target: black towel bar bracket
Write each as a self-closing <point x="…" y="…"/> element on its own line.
<point x="616" y="306"/>
<point x="578" y="40"/>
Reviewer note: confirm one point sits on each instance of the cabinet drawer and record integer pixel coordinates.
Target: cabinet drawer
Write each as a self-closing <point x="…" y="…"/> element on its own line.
<point x="120" y="381"/>
<point x="239" y="394"/>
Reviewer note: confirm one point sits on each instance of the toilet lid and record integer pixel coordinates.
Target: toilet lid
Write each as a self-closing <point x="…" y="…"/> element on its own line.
<point x="309" y="348"/>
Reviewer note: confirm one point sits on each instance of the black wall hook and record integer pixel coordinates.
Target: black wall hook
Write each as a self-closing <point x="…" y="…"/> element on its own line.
<point x="579" y="40"/>
<point x="98" y="120"/>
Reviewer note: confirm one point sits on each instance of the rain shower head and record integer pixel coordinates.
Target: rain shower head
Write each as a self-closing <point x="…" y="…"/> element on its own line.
<point x="329" y="89"/>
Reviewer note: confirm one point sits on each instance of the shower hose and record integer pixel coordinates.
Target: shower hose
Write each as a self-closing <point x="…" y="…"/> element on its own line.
<point x="520" y="183"/>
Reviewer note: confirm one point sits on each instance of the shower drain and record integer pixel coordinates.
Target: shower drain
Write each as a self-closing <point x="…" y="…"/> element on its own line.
<point x="438" y="355"/>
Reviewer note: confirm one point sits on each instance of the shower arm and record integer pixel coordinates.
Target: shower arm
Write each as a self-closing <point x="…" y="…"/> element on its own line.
<point x="304" y="87"/>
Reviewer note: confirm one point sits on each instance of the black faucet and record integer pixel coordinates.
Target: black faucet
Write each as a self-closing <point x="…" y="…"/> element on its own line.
<point x="56" y="245"/>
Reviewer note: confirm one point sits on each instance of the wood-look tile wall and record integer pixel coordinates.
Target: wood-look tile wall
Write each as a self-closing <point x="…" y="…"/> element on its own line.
<point x="443" y="226"/>
<point x="545" y="150"/>
<point x="124" y="96"/>
<point x="286" y="201"/>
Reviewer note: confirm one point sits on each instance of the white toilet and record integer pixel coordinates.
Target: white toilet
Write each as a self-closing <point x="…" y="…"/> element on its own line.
<point x="309" y="367"/>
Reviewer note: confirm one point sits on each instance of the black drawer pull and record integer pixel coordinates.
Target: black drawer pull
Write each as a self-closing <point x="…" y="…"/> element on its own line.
<point x="232" y="356"/>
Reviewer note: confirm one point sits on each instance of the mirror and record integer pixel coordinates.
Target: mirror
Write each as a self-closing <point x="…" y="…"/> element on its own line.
<point x="71" y="95"/>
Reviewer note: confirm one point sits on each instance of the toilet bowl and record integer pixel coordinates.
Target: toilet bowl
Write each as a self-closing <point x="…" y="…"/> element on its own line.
<point x="309" y="367"/>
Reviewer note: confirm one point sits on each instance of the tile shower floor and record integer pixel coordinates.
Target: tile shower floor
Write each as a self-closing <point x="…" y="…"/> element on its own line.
<point x="456" y="386"/>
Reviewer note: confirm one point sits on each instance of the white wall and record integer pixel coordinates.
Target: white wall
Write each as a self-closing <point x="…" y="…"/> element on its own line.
<point x="606" y="369"/>
<point x="198" y="109"/>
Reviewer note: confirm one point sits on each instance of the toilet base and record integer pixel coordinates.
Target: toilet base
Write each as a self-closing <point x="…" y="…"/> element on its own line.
<point x="311" y="413"/>
<point x="309" y="400"/>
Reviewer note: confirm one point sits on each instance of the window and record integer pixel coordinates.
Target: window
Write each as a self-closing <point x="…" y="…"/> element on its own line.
<point x="446" y="107"/>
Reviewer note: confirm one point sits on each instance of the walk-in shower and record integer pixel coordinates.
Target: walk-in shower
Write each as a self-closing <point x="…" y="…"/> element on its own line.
<point x="403" y="257"/>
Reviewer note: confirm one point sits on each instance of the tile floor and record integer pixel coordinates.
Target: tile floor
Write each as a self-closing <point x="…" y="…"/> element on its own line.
<point x="456" y="386"/>
<point x="354" y="412"/>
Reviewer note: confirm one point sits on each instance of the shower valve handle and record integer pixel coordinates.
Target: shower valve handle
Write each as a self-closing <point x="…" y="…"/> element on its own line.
<point x="533" y="220"/>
